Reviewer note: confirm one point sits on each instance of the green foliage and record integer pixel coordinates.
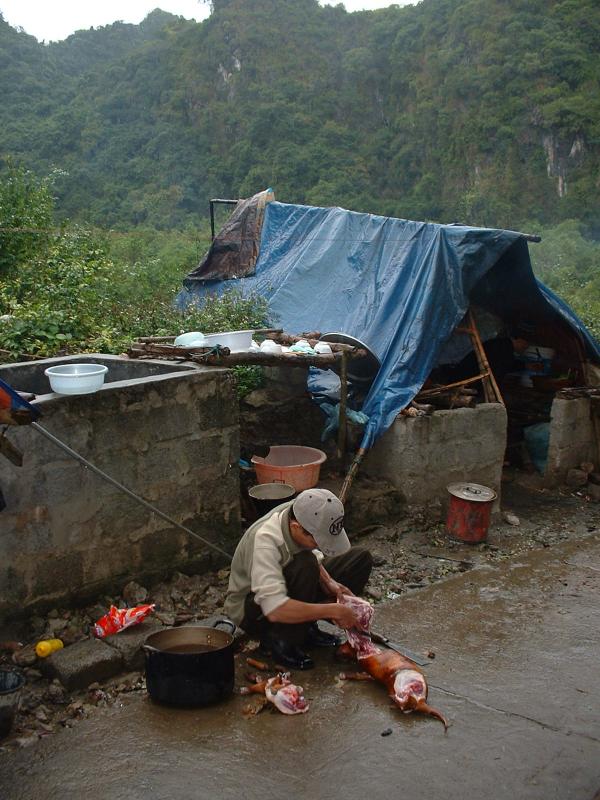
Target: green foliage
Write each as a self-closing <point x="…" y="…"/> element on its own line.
<point x="25" y="216"/>
<point x="569" y="263"/>
<point x="247" y="379"/>
<point x="64" y="292"/>
<point x="481" y="111"/>
<point x="484" y="111"/>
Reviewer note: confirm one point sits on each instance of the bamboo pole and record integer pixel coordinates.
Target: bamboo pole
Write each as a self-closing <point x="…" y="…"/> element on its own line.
<point x="348" y="480"/>
<point x="449" y="386"/>
<point x="490" y="387"/>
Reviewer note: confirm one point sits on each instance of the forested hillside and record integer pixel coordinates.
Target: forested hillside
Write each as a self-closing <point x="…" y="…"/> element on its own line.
<point x="484" y="111"/>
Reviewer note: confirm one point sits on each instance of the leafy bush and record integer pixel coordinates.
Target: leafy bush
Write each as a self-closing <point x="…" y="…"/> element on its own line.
<point x="25" y="215"/>
<point x="64" y="293"/>
<point x="569" y="263"/>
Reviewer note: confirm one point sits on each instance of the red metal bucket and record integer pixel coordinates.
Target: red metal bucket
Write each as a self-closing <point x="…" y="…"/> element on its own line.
<point x="469" y="511"/>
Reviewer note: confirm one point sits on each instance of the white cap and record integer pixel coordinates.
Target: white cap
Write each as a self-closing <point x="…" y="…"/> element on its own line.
<point x="321" y="513"/>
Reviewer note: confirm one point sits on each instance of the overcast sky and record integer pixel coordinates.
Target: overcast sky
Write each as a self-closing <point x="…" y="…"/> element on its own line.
<point x="51" y="20"/>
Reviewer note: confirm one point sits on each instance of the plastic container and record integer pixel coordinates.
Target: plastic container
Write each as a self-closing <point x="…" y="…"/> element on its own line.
<point x="322" y="348"/>
<point x="11" y="684"/>
<point x="469" y="511"/>
<point x="236" y="341"/>
<point x="267" y="496"/>
<point x="191" y="339"/>
<point x="76" y="378"/>
<point x="269" y="346"/>
<point x="47" y="646"/>
<point x="292" y="464"/>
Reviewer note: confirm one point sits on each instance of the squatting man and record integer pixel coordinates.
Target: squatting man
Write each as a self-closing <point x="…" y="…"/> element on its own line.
<point x="288" y="570"/>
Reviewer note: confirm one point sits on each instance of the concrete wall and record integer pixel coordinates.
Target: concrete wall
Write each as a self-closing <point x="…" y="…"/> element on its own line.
<point x="422" y="455"/>
<point x="280" y="412"/>
<point x="171" y="438"/>
<point x="572" y="438"/>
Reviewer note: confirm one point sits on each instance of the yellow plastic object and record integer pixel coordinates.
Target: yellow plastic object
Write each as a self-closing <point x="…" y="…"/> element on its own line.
<point x="47" y="646"/>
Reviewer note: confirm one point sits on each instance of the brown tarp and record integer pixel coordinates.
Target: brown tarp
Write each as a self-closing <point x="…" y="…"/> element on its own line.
<point x="234" y="250"/>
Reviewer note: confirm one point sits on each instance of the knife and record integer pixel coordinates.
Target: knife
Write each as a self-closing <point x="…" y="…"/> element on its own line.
<point x="399" y="648"/>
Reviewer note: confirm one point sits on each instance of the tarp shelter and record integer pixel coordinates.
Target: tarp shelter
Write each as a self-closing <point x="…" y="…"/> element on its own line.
<point x="399" y="286"/>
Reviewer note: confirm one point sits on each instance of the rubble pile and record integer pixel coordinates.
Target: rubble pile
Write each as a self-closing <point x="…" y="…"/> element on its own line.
<point x="46" y="705"/>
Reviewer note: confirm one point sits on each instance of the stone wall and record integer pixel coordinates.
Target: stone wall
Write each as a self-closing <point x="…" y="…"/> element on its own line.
<point x="421" y="455"/>
<point x="572" y="438"/>
<point x="280" y="412"/>
<point x="66" y="534"/>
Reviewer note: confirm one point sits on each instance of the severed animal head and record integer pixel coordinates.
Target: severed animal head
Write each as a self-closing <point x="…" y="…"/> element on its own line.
<point x="410" y="694"/>
<point x="285" y="695"/>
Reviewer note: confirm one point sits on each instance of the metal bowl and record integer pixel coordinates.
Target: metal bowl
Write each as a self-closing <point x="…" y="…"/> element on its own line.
<point x="360" y="370"/>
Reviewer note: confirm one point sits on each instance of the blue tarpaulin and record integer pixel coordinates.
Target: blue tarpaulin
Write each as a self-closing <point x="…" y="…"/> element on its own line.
<point x="401" y="287"/>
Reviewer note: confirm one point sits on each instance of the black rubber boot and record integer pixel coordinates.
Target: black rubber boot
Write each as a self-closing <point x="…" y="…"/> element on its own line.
<point x="318" y="638"/>
<point x="287" y="654"/>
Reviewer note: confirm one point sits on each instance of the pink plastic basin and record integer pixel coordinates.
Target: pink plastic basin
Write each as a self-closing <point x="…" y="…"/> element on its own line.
<point x="289" y="463"/>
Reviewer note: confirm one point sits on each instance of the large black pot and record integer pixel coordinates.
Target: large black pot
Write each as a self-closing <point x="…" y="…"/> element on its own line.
<point x="267" y="496"/>
<point x="190" y="666"/>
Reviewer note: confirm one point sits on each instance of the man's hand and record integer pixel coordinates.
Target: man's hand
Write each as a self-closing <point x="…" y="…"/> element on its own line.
<point x="344" y="616"/>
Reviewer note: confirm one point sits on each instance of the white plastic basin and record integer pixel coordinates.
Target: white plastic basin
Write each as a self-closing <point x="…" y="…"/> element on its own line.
<point x="236" y="341"/>
<point x="191" y="339"/>
<point x="76" y="378"/>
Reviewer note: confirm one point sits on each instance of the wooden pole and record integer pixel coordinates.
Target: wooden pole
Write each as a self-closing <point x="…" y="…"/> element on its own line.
<point x="259" y="358"/>
<point x="449" y="386"/>
<point x="490" y="387"/>
<point x="360" y="454"/>
<point x="342" y="410"/>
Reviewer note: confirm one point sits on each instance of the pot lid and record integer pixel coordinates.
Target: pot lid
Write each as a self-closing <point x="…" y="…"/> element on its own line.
<point x="472" y="491"/>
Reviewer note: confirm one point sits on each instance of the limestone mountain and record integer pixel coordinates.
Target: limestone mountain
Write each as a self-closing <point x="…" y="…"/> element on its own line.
<point x="485" y="111"/>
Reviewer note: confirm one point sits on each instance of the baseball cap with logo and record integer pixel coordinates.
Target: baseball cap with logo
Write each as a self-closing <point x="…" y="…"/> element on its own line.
<point x="321" y="513"/>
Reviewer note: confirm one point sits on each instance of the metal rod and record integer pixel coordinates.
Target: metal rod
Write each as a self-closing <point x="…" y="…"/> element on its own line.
<point x="124" y="489"/>
<point x="211" y="205"/>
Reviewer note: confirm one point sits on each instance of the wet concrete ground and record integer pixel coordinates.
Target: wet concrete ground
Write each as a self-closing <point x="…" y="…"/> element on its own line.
<point x="517" y="672"/>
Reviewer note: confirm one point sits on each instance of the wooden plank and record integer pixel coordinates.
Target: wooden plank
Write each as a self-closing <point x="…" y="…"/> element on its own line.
<point x="342" y="411"/>
<point x="259" y="358"/>
<point x="448" y="387"/>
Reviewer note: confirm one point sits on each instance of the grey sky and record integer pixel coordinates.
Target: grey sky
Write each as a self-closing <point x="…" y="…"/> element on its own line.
<point x="51" y="20"/>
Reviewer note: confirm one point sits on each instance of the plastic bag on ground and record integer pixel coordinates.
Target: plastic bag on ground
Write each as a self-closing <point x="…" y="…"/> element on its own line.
<point x="118" y="619"/>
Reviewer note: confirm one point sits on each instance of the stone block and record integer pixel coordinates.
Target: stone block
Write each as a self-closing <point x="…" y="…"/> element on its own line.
<point x="593" y="490"/>
<point x="576" y="478"/>
<point x="83" y="663"/>
<point x="128" y="643"/>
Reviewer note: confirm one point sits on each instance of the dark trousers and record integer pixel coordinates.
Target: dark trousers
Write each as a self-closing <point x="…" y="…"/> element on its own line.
<point x="352" y="569"/>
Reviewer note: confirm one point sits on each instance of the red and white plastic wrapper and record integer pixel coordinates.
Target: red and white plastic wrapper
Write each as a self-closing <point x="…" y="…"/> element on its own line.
<point x="118" y="619"/>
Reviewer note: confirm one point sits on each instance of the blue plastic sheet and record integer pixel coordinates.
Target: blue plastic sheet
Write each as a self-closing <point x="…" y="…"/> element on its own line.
<point x="399" y="286"/>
